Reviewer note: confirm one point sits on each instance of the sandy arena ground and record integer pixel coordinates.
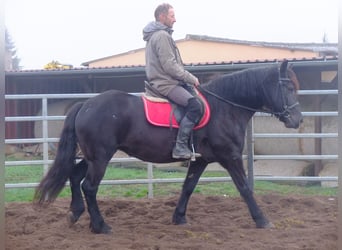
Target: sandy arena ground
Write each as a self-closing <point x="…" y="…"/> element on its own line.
<point x="214" y="222"/>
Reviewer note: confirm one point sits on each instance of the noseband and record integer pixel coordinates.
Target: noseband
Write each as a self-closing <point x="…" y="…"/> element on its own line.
<point x="286" y="108"/>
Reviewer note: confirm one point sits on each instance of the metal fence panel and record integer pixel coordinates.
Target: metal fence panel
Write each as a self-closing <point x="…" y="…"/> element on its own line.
<point x="251" y="136"/>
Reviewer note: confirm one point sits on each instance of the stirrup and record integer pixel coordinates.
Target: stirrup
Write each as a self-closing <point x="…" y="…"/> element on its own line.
<point x="194" y="155"/>
<point x="182" y="157"/>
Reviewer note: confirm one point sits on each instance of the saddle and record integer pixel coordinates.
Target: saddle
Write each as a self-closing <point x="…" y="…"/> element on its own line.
<point x="160" y="112"/>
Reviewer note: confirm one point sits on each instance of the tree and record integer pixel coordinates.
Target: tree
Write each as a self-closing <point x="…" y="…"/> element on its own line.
<point x="12" y="61"/>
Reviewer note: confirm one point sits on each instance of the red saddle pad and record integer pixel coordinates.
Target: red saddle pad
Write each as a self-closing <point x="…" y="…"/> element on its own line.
<point x="159" y="113"/>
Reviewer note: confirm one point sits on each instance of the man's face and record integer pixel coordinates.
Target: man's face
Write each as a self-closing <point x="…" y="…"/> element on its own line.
<point x="168" y="19"/>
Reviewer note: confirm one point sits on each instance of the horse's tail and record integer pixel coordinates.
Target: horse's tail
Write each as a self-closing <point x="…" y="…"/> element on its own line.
<point x="54" y="181"/>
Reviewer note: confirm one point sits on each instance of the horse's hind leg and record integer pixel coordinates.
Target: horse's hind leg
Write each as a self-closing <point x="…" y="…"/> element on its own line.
<point x="194" y="173"/>
<point x="95" y="173"/>
<point x="77" y="205"/>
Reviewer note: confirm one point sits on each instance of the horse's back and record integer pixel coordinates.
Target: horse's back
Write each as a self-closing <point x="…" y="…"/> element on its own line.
<point x="110" y="101"/>
<point x="107" y="113"/>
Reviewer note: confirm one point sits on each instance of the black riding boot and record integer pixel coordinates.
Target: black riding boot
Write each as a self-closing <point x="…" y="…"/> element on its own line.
<point x="181" y="150"/>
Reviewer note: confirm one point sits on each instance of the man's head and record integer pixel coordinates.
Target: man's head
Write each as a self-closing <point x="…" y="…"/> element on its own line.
<point x="165" y="14"/>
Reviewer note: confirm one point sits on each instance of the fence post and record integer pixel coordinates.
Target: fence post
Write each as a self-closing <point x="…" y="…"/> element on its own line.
<point x="250" y="153"/>
<point x="318" y="141"/>
<point x="45" y="135"/>
<point x="150" y="179"/>
<point x="339" y="198"/>
<point x="2" y="125"/>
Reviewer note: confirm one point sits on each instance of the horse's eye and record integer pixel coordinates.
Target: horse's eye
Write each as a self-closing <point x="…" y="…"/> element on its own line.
<point x="290" y="87"/>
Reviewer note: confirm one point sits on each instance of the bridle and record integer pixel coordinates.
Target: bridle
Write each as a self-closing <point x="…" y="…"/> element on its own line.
<point x="286" y="107"/>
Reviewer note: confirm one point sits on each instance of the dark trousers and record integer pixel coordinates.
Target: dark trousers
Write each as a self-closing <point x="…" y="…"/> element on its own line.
<point x="180" y="96"/>
<point x="184" y="98"/>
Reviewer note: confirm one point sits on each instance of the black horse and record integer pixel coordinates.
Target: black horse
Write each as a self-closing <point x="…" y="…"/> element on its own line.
<point x="115" y="120"/>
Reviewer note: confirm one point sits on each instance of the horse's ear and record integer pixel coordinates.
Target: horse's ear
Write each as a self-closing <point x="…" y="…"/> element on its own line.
<point x="283" y="68"/>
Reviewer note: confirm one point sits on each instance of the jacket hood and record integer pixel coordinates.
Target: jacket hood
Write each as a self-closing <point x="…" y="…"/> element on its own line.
<point x="153" y="27"/>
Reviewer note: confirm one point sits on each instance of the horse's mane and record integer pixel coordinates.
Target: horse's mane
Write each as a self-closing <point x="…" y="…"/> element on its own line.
<point x="242" y="85"/>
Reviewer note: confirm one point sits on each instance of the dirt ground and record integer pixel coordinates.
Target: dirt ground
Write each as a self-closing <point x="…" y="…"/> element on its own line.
<point x="214" y="222"/>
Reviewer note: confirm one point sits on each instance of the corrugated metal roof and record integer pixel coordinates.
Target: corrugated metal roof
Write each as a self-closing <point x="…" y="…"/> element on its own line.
<point x="129" y="69"/>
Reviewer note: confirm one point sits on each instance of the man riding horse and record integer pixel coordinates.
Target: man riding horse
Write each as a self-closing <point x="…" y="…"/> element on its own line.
<point x="166" y="75"/>
<point x="234" y="98"/>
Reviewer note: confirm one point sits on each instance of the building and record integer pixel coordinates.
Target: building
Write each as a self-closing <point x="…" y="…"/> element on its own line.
<point x="197" y="49"/>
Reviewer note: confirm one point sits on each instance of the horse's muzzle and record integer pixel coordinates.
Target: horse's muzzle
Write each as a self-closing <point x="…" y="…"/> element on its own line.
<point x="292" y="120"/>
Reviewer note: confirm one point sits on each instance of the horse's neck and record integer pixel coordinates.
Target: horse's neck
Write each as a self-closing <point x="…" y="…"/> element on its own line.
<point x="247" y="92"/>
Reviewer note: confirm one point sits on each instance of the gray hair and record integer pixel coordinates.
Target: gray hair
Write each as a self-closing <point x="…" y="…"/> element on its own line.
<point x="162" y="9"/>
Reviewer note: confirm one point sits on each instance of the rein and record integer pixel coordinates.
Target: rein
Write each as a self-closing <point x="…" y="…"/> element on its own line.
<point x="285" y="112"/>
<point x="227" y="101"/>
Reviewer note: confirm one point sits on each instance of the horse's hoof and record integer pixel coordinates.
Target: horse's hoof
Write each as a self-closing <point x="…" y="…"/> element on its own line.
<point x="179" y="220"/>
<point x="266" y="225"/>
<point x="269" y="225"/>
<point x="71" y="218"/>
<point x="105" y="229"/>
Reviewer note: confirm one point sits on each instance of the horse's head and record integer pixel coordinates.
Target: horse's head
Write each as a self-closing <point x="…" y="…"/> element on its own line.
<point x="286" y="106"/>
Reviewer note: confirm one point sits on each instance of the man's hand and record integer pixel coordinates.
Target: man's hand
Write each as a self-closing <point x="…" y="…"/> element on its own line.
<point x="197" y="82"/>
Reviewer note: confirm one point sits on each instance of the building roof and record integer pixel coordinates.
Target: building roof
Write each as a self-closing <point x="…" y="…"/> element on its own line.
<point x="194" y="67"/>
<point x="315" y="47"/>
<point x="323" y="49"/>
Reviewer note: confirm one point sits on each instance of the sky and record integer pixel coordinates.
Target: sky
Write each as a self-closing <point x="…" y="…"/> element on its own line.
<point x="78" y="31"/>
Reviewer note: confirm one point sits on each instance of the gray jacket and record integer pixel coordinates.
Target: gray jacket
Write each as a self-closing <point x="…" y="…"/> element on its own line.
<point x="164" y="67"/>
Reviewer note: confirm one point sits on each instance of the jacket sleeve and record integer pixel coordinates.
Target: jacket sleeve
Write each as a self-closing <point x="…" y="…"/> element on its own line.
<point x="166" y="50"/>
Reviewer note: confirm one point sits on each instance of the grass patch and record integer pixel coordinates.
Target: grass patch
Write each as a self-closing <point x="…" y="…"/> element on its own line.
<point x="23" y="174"/>
<point x="33" y="174"/>
<point x="266" y="187"/>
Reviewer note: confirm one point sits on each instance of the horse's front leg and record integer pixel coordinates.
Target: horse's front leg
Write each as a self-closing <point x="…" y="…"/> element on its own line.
<point x="194" y="173"/>
<point x="77" y="205"/>
<point x="236" y="171"/>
